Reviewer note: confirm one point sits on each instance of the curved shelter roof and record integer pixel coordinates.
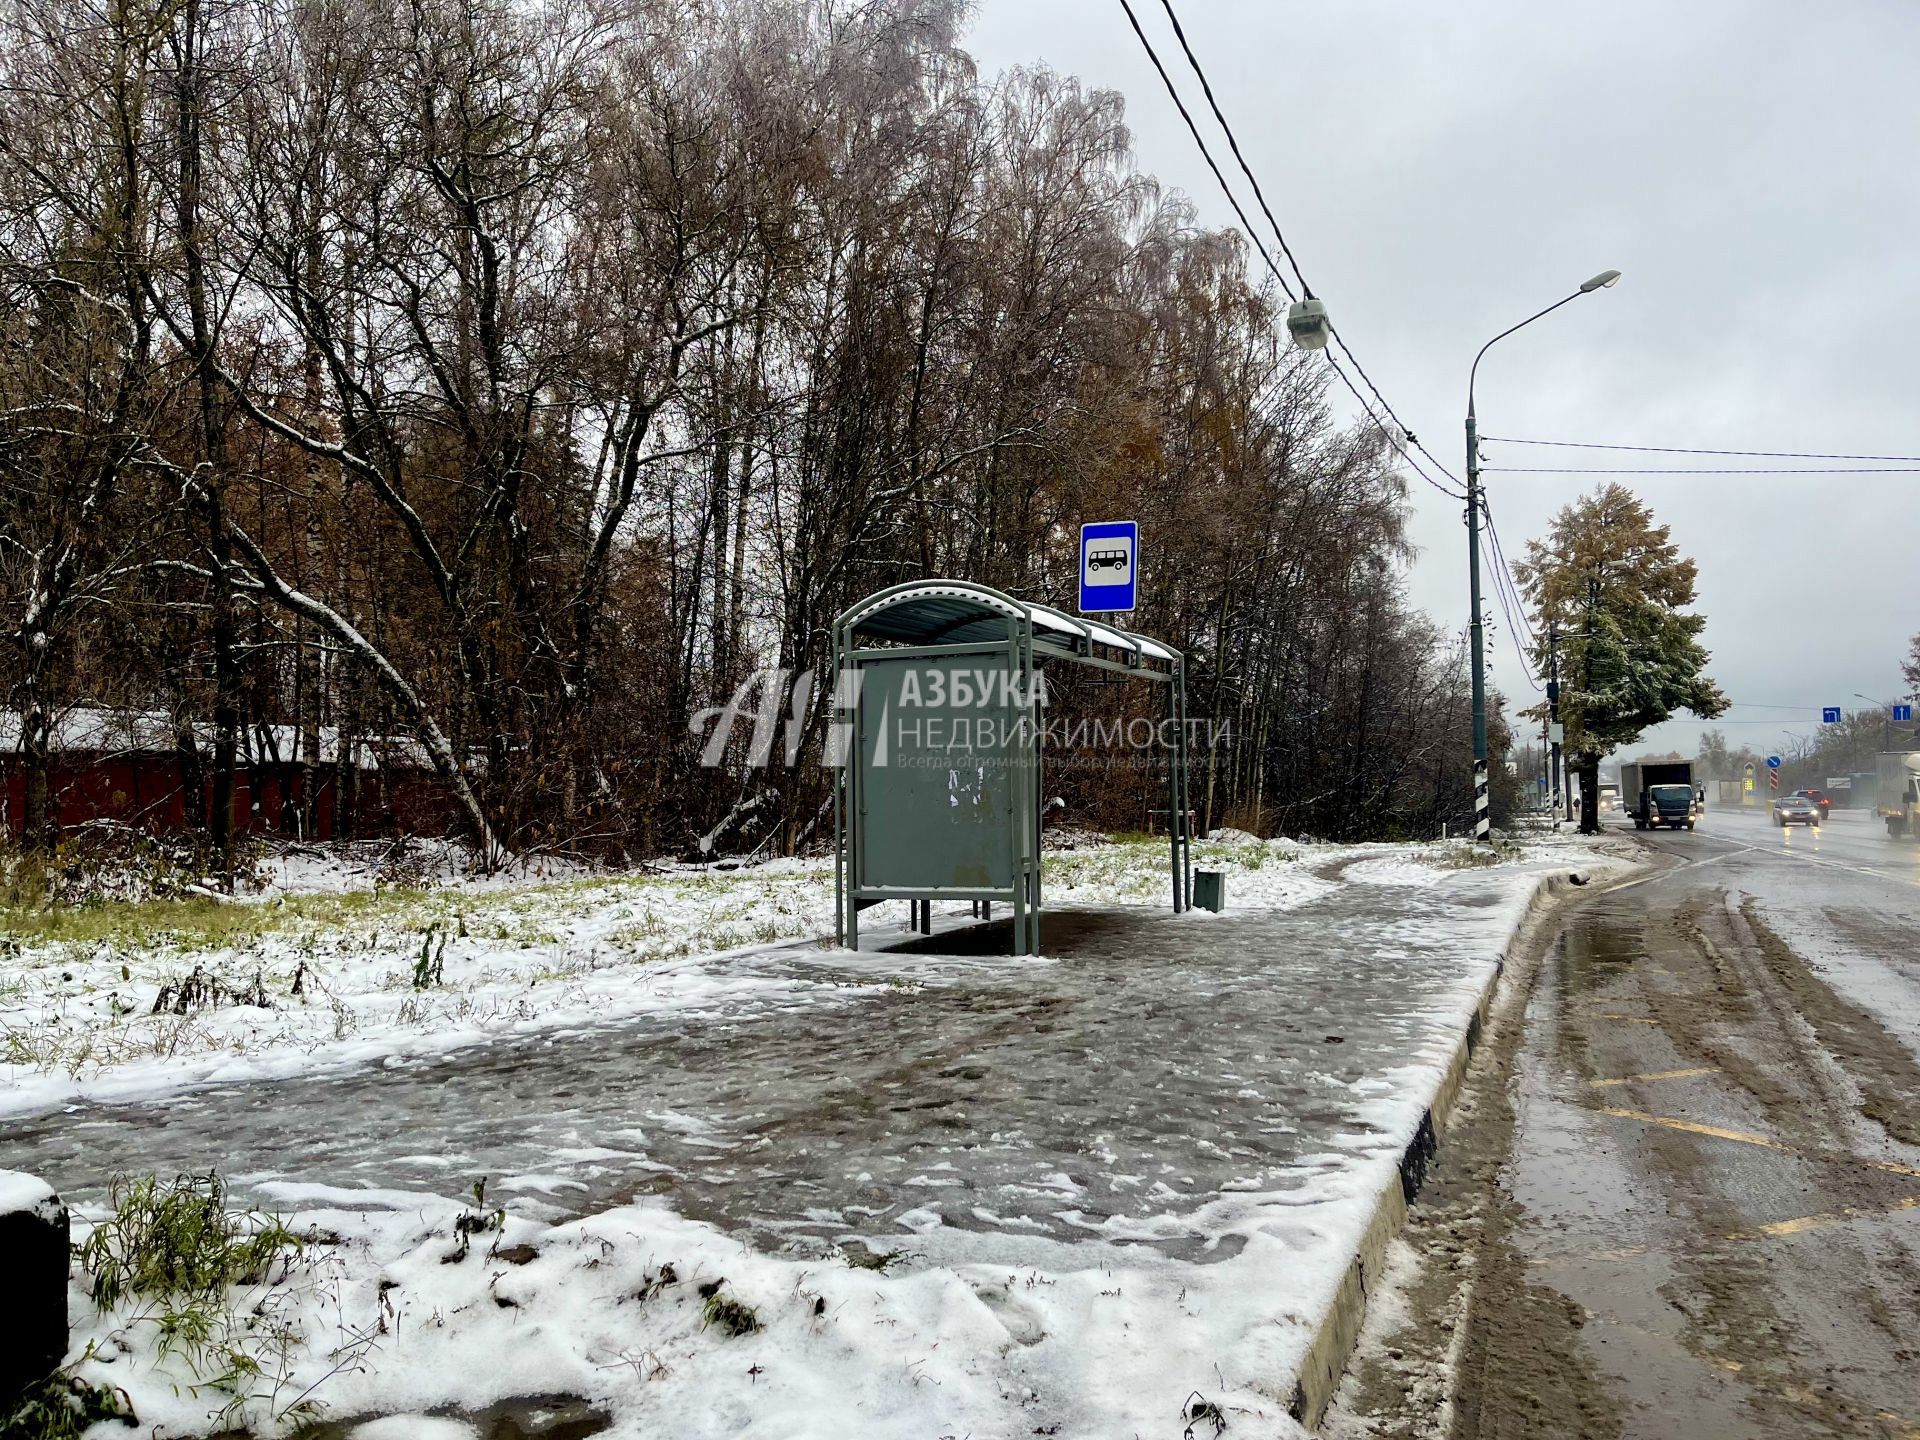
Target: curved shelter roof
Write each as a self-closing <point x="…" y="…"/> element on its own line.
<point x="959" y="612"/>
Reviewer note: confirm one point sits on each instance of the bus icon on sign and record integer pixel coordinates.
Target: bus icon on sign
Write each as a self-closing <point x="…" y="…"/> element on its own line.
<point x="1109" y="561"/>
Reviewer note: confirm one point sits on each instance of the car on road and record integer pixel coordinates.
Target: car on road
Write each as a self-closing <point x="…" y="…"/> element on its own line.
<point x="1795" y="810"/>
<point x="1820" y="798"/>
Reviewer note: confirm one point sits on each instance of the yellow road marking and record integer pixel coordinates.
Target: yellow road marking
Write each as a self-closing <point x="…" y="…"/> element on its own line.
<point x="1694" y="1127"/>
<point x="1631" y="1019"/>
<point x="1719" y="1132"/>
<point x="1802" y="1223"/>
<point x="1687" y="1074"/>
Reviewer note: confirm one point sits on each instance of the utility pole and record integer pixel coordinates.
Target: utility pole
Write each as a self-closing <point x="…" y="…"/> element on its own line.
<point x="1482" y="825"/>
<point x="1546" y="764"/>
<point x="1561" y="791"/>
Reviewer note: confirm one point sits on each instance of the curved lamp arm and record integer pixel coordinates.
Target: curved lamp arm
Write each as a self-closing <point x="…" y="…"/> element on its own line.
<point x="1606" y="279"/>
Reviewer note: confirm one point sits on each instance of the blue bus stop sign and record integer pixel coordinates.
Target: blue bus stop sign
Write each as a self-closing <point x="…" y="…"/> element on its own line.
<point x="1830" y="715"/>
<point x="1903" y="713"/>
<point x="1109" y="566"/>
<point x="1773" y="762"/>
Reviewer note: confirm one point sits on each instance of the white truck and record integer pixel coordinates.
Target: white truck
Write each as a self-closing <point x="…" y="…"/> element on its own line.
<point x="1659" y="792"/>
<point x="1897" y="797"/>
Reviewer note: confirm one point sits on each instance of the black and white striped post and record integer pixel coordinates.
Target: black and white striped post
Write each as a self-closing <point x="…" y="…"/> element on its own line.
<point x="1482" y="824"/>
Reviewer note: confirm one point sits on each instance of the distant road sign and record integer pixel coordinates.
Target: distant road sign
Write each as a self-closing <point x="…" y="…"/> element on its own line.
<point x="1109" y="566"/>
<point x="1830" y="715"/>
<point x="1903" y="713"/>
<point x="1749" y="771"/>
<point x="1773" y="762"/>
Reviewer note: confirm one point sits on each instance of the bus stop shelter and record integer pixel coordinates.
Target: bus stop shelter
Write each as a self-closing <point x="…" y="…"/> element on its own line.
<point x="939" y="713"/>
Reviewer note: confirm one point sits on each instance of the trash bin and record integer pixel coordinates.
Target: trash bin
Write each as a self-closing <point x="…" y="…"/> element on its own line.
<point x="1210" y="890"/>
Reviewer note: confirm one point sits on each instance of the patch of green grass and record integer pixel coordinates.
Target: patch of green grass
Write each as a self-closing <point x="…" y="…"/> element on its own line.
<point x="195" y="921"/>
<point x="64" y="1407"/>
<point x="175" y="1241"/>
<point x="861" y="1256"/>
<point x="735" y="1317"/>
<point x="1466" y="855"/>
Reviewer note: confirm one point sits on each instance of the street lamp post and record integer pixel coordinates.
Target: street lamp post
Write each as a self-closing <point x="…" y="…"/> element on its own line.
<point x="1886" y="718"/>
<point x="1482" y="825"/>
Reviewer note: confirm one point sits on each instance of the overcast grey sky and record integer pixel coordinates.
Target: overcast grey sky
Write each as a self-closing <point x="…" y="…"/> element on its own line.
<point x="1444" y="170"/>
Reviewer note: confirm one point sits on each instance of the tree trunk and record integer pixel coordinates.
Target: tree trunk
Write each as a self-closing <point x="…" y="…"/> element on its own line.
<point x="226" y="672"/>
<point x="37" y="829"/>
<point x="1588" y="767"/>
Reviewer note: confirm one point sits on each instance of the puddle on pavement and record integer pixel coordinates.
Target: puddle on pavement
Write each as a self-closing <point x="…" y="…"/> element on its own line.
<point x="539" y="1417"/>
<point x="1593" y="950"/>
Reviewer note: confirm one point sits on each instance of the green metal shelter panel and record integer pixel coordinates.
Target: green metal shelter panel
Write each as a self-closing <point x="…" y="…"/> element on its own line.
<point x="938" y="781"/>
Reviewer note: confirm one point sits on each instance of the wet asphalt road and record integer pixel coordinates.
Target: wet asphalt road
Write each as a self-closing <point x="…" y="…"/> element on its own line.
<point x="1149" y="1084"/>
<point x="1715" y="1152"/>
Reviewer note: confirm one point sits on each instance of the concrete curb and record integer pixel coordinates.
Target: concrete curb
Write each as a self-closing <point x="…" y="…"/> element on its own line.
<point x="1325" y="1360"/>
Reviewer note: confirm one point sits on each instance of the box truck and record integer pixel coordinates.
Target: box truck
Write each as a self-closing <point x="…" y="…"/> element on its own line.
<point x="1896" y="796"/>
<point x="1659" y="792"/>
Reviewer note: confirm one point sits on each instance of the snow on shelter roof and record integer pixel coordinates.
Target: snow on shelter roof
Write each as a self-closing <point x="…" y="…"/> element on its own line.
<point x="957" y="612"/>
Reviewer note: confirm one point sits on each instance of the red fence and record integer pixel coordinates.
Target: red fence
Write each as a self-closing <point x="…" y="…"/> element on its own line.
<point x="149" y="792"/>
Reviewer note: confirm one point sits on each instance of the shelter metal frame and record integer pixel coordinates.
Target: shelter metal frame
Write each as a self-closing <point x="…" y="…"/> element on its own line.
<point x="939" y="620"/>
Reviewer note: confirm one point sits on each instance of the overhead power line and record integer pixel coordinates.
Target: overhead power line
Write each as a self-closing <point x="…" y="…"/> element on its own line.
<point x="1514" y="623"/>
<point x="1517" y="626"/>
<point x="1180" y="34"/>
<point x="1512" y="605"/>
<point x="1387" y="432"/>
<point x="1695" y="450"/>
<point x="1398" y="430"/>
<point x="1655" y="470"/>
<point x="1259" y="195"/>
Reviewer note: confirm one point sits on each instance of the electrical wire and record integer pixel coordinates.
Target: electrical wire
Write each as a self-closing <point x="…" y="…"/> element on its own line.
<point x="1505" y="571"/>
<point x="1508" y="594"/>
<point x="1206" y="154"/>
<point x="1180" y="34"/>
<point x="1689" y="450"/>
<point x="1513" y="625"/>
<point x="1246" y="224"/>
<point x="1233" y="143"/>
<point x="1388" y="434"/>
<point x="1511" y="604"/>
<point x="1649" y="470"/>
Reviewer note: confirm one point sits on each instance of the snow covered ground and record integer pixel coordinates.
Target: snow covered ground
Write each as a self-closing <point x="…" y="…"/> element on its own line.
<point x="326" y="970"/>
<point x="1124" y="1242"/>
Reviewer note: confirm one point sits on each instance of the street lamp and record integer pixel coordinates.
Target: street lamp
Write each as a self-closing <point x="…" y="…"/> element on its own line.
<point x="1886" y="718"/>
<point x="1482" y="826"/>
